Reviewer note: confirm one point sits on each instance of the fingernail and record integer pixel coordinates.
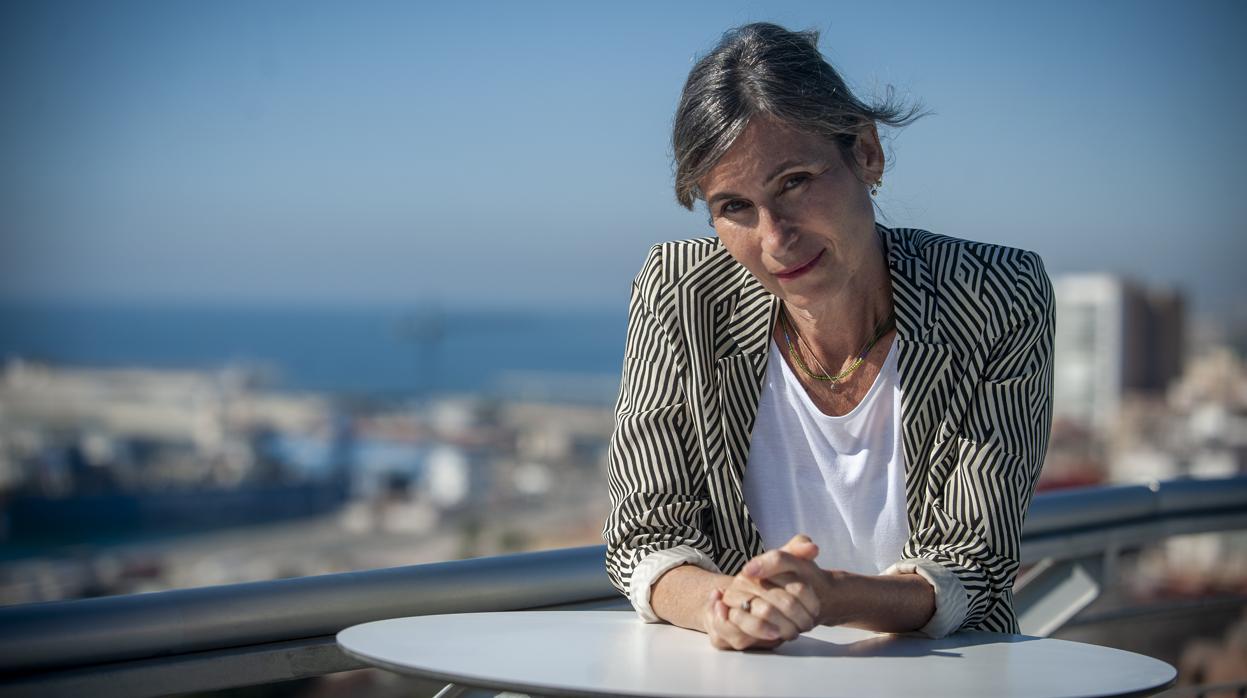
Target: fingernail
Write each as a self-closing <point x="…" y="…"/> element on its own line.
<point x="753" y="568"/>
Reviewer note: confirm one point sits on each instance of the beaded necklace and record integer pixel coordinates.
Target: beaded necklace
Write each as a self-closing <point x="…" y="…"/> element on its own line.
<point x="825" y="376"/>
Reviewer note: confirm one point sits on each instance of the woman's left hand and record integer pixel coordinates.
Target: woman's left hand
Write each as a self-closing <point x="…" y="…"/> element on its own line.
<point x="783" y="588"/>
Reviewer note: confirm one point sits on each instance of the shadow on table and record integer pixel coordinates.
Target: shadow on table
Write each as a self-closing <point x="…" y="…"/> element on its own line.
<point x="895" y="645"/>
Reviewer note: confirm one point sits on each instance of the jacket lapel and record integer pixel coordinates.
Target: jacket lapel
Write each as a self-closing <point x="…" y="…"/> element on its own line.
<point x="730" y="375"/>
<point x="742" y="368"/>
<point x="925" y="363"/>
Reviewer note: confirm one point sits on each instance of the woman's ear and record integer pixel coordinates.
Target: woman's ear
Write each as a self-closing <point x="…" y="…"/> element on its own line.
<point x="868" y="152"/>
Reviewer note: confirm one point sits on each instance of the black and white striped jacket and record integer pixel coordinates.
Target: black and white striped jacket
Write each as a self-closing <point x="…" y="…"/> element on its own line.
<point x="974" y="328"/>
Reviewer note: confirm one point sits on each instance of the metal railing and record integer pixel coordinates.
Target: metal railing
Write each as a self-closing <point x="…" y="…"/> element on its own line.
<point x="247" y="634"/>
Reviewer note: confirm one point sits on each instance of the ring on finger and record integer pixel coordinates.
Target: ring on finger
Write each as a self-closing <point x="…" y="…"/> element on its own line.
<point x="744" y="605"/>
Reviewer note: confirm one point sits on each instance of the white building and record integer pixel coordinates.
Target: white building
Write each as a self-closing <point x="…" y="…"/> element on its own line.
<point x="1087" y="370"/>
<point x="1112" y="337"/>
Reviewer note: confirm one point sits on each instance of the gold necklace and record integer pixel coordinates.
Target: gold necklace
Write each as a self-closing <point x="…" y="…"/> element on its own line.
<point x="825" y="376"/>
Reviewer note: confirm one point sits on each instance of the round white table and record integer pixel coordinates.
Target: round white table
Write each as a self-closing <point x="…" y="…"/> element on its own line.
<point x="614" y="653"/>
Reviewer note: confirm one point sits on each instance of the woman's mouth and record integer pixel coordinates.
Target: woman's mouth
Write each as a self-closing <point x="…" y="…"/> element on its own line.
<point x="794" y="272"/>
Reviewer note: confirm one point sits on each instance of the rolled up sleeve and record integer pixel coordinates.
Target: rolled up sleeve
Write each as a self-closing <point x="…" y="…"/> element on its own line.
<point x="950" y="595"/>
<point x="655" y="565"/>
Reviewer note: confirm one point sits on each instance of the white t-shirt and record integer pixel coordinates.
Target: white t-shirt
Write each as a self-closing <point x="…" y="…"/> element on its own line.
<point x="839" y="480"/>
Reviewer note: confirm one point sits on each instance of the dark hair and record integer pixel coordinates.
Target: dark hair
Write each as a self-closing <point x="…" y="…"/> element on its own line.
<point x="764" y="69"/>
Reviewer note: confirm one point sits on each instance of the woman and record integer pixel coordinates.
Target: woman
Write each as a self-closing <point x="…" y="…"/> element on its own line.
<point x="821" y="420"/>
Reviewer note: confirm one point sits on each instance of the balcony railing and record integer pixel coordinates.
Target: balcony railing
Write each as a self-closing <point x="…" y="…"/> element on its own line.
<point x="247" y="634"/>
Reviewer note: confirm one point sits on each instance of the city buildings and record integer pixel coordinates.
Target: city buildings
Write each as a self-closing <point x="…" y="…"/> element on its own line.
<point x="1132" y="400"/>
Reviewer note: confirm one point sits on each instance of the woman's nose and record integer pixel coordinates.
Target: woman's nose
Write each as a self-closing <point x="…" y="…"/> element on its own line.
<point x="777" y="233"/>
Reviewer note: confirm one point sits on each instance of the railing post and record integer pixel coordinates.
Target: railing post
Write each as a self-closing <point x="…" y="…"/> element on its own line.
<point x="1054" y="591"/>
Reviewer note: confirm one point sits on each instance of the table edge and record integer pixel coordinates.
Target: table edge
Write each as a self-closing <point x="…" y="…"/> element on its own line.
<point x="476" y="682"/>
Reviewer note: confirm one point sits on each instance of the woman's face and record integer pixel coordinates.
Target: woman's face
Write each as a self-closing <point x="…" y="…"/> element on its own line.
<point x="789" y="208"/>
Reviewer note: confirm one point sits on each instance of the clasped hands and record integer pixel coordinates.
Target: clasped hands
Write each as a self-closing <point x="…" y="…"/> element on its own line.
<point x="775" y="598"/>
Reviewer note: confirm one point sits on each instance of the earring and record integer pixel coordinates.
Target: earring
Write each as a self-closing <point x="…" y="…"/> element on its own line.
<point x="874" y="188"/>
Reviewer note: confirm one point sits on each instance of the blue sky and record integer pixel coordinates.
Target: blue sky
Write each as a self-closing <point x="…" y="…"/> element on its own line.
<point x="516" y="154"/>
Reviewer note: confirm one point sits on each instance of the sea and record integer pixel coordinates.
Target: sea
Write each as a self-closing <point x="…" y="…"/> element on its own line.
<point x="379" y="353"/>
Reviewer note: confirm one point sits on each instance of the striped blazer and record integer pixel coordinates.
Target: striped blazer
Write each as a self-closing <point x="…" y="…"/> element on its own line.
<point x="974" y="326"/>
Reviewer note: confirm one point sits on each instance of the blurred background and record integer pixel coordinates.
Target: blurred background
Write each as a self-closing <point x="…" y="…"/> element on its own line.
<point x="289" y="288"/>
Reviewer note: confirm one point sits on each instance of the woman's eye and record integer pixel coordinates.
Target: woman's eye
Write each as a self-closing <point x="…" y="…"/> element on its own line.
<point x="795" y="181"/>
<point x="733" y="206"/>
